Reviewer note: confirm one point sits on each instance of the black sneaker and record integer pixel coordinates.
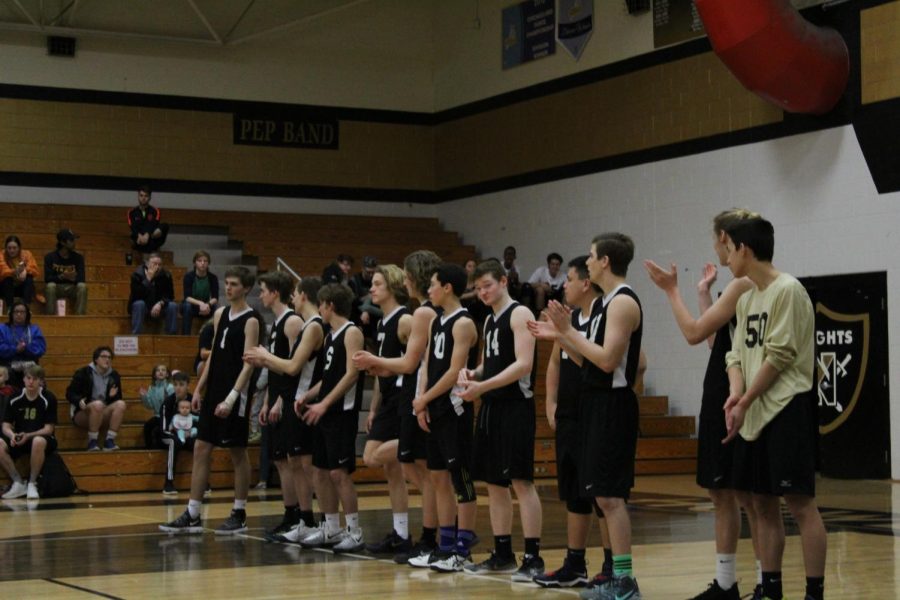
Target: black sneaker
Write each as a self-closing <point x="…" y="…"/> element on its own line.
<point x="757" y="593"/>
<point x="183" y="524"/>
<point x="565" y="576"/>
<point x="235" y="523"/>
<point x="169" y="488"/>
<point x="392" y="544"/>
<point x="288" y="522"/>
<point x="715" y="592"/>
<point x="532" y="566"/>
<point x="494" y="564"/>
<point x="422" y="548"/>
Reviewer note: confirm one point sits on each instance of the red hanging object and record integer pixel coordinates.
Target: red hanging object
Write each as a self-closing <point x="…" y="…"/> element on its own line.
<point x="777" y="54"/>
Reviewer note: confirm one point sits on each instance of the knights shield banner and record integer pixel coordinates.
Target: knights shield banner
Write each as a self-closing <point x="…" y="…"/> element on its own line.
<point x="842" y="355"/>
<point x="575" y="23"/>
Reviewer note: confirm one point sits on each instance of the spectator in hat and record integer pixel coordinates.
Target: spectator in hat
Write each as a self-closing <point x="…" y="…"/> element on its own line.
<point x="17" y="272"/>
<point x="64" y="274"/>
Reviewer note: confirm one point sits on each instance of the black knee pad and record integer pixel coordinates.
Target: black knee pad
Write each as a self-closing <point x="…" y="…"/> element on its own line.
<point x="463" y="485"/>
<point x="578" y="506"/>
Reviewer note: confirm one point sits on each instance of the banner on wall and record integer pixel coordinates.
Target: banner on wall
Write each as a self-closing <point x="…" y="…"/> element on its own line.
<point x="575" y="24"/>
<point x="286" y="129"/>
<point x="529" y="32"/>
<point x="675" y="21"/>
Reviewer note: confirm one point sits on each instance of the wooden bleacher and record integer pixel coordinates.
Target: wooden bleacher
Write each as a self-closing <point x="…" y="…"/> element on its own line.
<point x="309" y="243"/>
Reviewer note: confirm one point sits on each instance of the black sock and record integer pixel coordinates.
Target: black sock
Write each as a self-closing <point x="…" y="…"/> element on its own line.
<point x="503" y="545"/>
<point x="575" y="559"/>
<point x="429" y="534"/>
<point x="815" y="588"/>
<point x="533" y="546"/>
<point x="772" y="585"/>
<point x="607" y="568"/>
<point x="307" y="517"/>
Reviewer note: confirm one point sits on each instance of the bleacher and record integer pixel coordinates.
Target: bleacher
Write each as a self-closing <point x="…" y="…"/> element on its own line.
<point x="309" y="243"/>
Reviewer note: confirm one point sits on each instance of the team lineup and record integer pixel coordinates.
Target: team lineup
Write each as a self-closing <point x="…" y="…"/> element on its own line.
<point x="453" y="405"/>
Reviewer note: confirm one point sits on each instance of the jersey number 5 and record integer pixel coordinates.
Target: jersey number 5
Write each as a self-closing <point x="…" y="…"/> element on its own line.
<point x="756" y="330"/>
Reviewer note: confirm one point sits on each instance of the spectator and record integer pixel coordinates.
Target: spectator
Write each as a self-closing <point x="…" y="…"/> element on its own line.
<point x="172" y="412"/>
<point x="151" y="286"/>
<point x="17" y="272"/>
<point x="339" y="270"/>
<point x="546" y="283"/>
<point x="152" y="398"/>
<point x="469" y="299"/>
<point x="365" y="313"/>
<point x="201" y="292"/>
<point x="6" y="391"/>
<point x="28" y="428"/>
<point x="95" y="395"/>
<point x="513" y="283"/>
<point x="64" y="274"/>
<point x="207" y="331"/>
<point x="148" y="234"/>
<point x="21" y="343"/>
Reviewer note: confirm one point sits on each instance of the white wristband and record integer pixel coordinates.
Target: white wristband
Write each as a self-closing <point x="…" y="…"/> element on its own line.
<point x="232" y="397"/>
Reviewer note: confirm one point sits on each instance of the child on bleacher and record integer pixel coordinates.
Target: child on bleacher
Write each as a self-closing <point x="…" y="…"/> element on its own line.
<point x="169" y="413"/>
<point x="184" y="424"/>
<point x="153" y="399"/>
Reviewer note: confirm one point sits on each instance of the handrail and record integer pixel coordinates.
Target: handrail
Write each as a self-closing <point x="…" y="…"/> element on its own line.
<point x="281" y="264"/>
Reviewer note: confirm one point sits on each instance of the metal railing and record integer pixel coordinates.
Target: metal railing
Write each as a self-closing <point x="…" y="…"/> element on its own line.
<point x="281" y="265"/>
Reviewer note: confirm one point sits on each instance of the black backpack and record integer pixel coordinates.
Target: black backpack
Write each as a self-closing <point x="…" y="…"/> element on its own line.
<point x="55" y="481"/>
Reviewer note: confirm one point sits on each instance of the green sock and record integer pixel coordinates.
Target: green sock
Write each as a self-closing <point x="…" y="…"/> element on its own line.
<point x="622" y="565"/>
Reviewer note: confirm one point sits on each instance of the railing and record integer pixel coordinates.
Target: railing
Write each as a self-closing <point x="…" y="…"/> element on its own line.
<point x="281" y="265"/>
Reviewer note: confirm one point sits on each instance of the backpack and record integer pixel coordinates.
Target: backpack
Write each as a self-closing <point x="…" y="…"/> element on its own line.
<point x="55" y="480"/>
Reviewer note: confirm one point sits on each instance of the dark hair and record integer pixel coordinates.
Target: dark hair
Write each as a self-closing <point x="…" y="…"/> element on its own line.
<point x="579" y="263"/>
<point x="146" y="189"/>
<point x="185" y="399"/>
<point x="100" y="349"/>
<point x="420" y="266"/>
<point x="490" y="267"/>
<point x="152" y="255"/>
<point x="310" y="286"/>
<point x="243" y="274"/>
<point x="756" y="234"/>
<point x="724" y="220"/>
<point x="280" y="282"/>
<point x="554" y="256"/>
<point x="618" y="248"/>
<point x="156" y="366"/>
<point x="181" y="376"/>
<point x="12" y="238"/>
<point x="513" y="248"/>
<point x="12" y="307"/>
<point x="200" y="253"/>
<point x="339" y="295"/>
<point x="454" y="275"/>
<point x="344" y="258"/>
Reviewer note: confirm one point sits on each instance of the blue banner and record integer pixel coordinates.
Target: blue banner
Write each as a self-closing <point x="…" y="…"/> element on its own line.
<point x="529" y="32"/>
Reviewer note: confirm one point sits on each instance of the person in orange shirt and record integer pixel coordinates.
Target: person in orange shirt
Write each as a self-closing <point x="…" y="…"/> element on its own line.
<point x="17" y="272"/>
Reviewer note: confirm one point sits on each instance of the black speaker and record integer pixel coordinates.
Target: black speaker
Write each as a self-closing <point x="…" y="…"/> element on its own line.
<point x="637" y="6"/>
<point x="58" y="45"/>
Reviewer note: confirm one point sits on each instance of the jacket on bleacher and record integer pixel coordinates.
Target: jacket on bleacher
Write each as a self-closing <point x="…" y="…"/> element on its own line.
<point x="143" y="220"/>
<point x="82" y="386"/>
<point x="151" y="291"/>
<point x="10" y="335"/>
<point x="10" y="270"/>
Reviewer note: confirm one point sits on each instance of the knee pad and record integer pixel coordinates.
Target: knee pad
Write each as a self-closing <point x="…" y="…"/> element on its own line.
<point x="463" y="485"/>
<point x="578" y="506"/>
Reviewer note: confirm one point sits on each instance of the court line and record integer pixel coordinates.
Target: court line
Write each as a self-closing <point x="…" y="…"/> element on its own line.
<point x="84" y="589"/>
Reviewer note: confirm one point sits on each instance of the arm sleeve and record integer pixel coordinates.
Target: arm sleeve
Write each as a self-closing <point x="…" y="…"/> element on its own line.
<point x="535" y="277"/>
<point x="213" y="286"/>
<point x="79" y="267"/>
<point x="168" y="288"/>
<point x="114" y="380"/>
<point x="187" y="284"/>
<point x="51" y="408"/>
<point x="74" y="390"/>
<point x="38" y="346"/>
<point x="49" y="273"/>
<point x="781" y="339"/>
<point x="30" y="264"/>
<point x="7" y="345"/>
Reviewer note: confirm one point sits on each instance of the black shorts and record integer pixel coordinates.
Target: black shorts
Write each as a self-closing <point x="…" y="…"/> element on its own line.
<point x="230" y="432"/>
<point x="334" y="445"/>
<point x="782" y="460"/>
<point x="450" y="440"/>
<point x="386" y="424"/>
<point x="714" y="459"/>
<point x="609" y="432"/>
<point x="17" y="451"/>
<point x="290" y="436"/>
<point x="412" y="443"/>
<point x="504" y="442"/>
<point x="568" y="453"/>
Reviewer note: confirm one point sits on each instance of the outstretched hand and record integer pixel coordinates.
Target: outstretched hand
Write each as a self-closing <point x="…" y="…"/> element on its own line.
<point x="710" y="273"/>
<point x="664" y="280"/>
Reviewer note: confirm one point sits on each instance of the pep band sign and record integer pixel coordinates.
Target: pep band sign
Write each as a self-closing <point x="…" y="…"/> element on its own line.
<point x="286" y="130"/>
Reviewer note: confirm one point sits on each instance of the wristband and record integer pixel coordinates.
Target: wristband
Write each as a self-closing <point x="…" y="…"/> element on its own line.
<point x="232" y="397"/>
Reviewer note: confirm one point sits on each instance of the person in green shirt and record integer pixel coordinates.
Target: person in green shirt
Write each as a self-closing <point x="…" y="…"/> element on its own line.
<point x="201" y="292"/>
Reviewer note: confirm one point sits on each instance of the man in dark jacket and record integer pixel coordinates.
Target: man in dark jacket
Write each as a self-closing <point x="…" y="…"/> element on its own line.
<point x="95" y="394"/>
<point x="64" y="274"/>
<point x="152" y="292"/>
<point x="148" y="234"/>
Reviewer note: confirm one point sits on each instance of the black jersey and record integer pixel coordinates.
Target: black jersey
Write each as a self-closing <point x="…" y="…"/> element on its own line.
<point x="624" y="375"/>
<point x="389" y="346"/>
<point x="227" y="358"/>
<point x="499" y="353"/>
<point x="281" y="384"/>
<point x="311" y="373"/>
<point x="31" y="415"/>
<point x="716" y="386"/>
<point x="440" y="354"/>
<point x="335" y="368"/>
<point x="569" y="388"/>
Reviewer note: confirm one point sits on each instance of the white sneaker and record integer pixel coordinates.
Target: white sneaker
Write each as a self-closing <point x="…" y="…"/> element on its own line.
<point x="17" y="490"/>
<point x="32" y="491"/>
<point x="451" y="564"/>
<point x="320" y="537"/>
<point x="352" y="542"/>
<point x="423" y="560"/>
<point x="297" y="533"/>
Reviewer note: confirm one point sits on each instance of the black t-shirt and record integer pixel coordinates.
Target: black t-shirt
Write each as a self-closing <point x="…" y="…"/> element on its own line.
<point x="499" y="353"/>
<point x="31" y="415"/>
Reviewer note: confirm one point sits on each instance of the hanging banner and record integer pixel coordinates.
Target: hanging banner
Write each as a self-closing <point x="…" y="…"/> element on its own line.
<point x="575" y="25"/>
<point x="529" y="32"/>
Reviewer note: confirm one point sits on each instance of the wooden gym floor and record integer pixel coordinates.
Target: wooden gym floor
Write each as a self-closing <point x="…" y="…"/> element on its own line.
<point x="108" y="546"/>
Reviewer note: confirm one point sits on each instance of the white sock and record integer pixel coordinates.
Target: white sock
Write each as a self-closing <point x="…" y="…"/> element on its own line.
<point x="111" y="435"/>
<point x="240" y="504"/>
<point x="725" y="570"/>
<point x="194" y="508"/>
<point x="401" y="524"/>
<point x="332" y="523"/>
<point x="758" y="573"/>
<point x="93" y="435"/>
<point x="352" y="520"/>
<point x="16" y="477"/>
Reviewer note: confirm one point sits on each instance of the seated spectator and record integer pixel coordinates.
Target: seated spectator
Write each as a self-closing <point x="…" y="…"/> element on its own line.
<point x="6" y="391"/>
<point x="95" y="395"/>
<point x="469" y="299"/>
<point x="178" y="425"/>
<point x="152" y="288"/>
<point x="546" y="283"/>
<point x="17" y="272"/>
<point x="513" y="283"/>
<point x="152" y="398"/>
<point x="365" y="313"/>
<point x="28" y="428"/>
<point x="21" y="343"/>
<point x="207" y="331"/>
<point x="201" y="292"/>
<point x="64" y="274"/>
<point x="339" y="270"/>
<point x="148" y="233"/>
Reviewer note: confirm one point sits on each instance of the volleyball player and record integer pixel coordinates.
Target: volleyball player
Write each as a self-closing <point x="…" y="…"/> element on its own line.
<point x="221" y="399"/>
